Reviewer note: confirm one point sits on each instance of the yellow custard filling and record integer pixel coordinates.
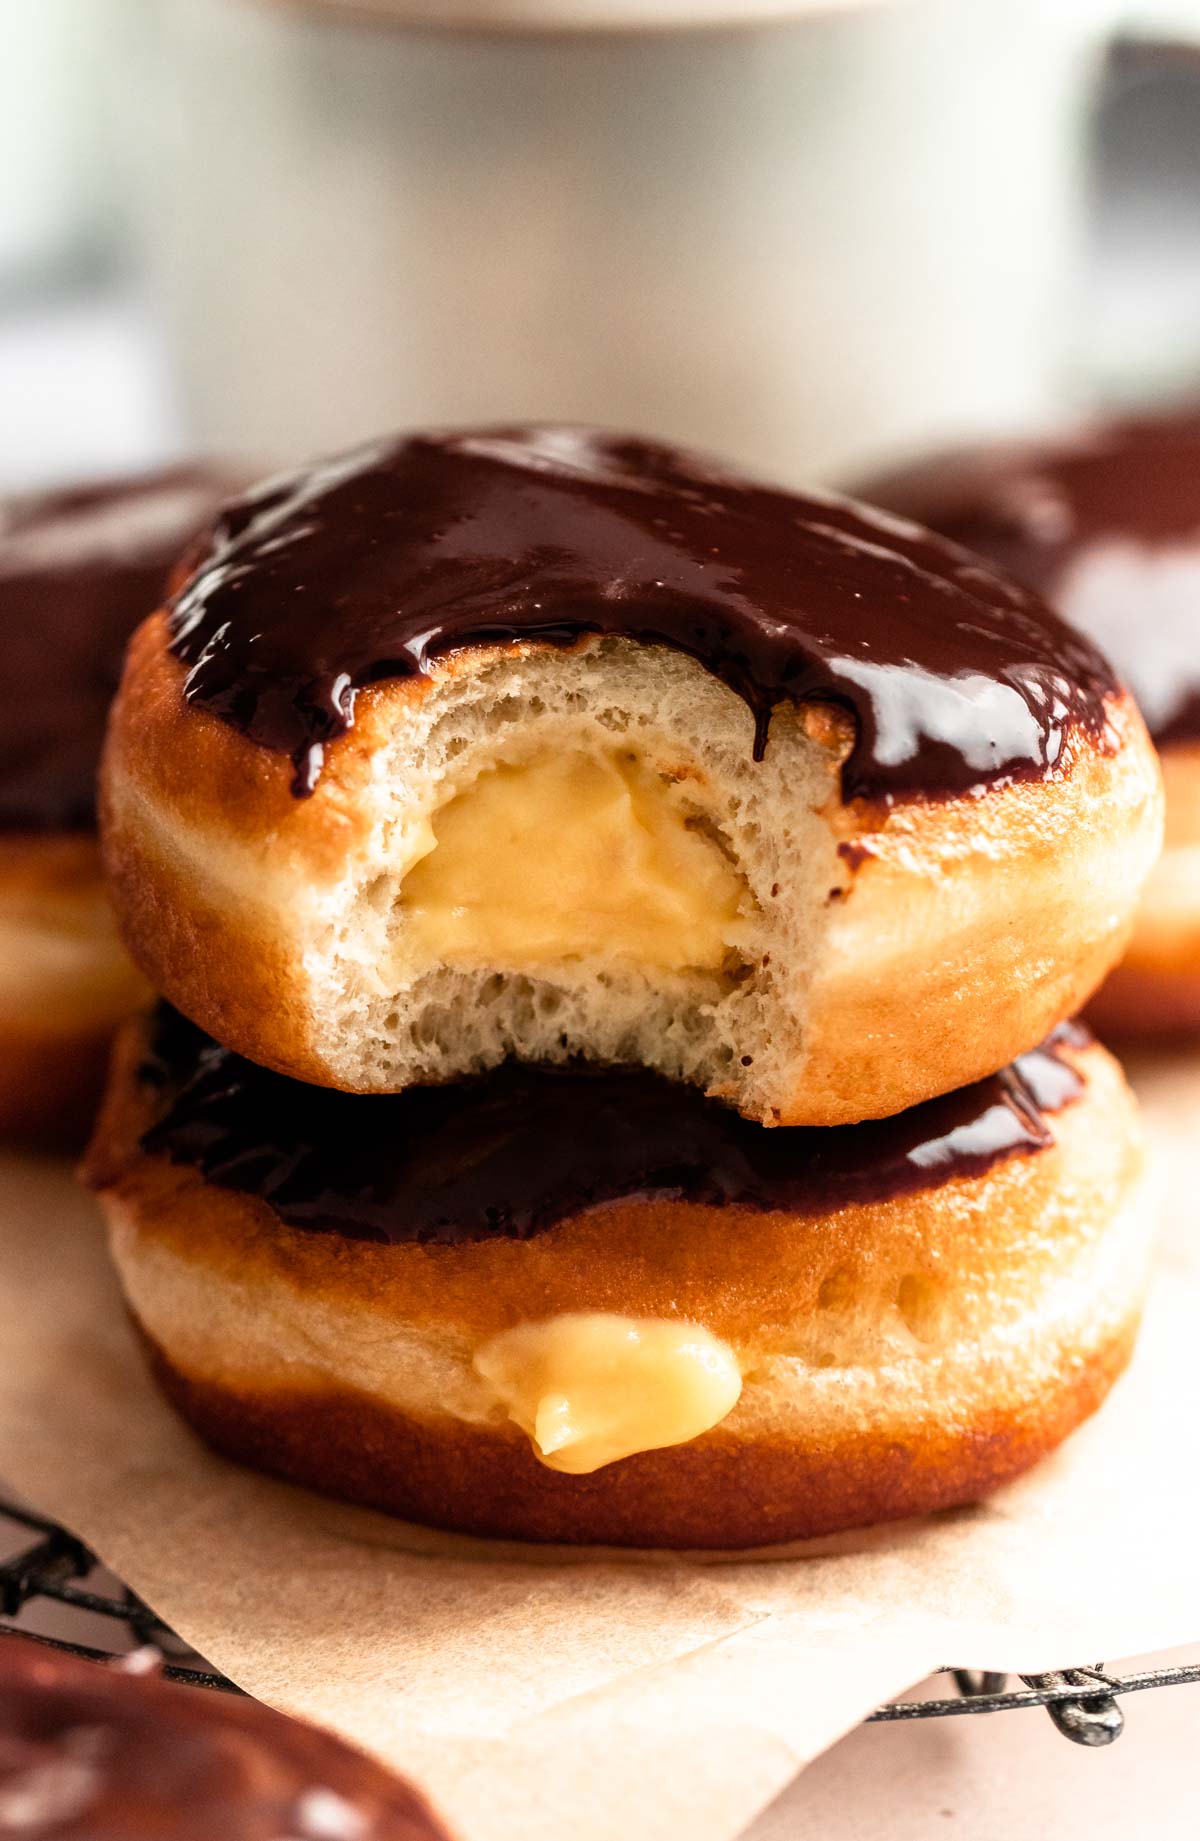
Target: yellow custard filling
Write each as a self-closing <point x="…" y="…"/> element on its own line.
<point x="590" y="1387"/>
<point x="569" y="854"/>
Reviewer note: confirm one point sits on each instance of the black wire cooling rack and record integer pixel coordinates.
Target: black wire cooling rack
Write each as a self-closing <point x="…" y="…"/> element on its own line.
<point x="48" y="1566"/>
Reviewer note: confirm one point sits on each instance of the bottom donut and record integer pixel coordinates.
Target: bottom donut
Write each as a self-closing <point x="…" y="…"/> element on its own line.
<point x="591" y="1306"/>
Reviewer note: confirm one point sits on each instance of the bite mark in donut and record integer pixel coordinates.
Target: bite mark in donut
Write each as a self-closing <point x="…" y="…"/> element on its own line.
<point x="610" y="752"/>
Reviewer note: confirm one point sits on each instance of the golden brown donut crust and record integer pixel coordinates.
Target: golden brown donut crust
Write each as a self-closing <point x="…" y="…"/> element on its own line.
<point x="1002" y="912"/>
<point x="1156" y="988"/>
<point x="68" y="984"/>
<point x="253" y="1326"/>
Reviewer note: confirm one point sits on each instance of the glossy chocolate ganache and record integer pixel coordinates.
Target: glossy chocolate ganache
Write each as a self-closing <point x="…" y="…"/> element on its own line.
<point x="373" y="565"/>
<point x="90" y="1752"/>
<point x="517" y="1150"/>
<point x="79" y="569"/>
<point x="1106" y="525"/>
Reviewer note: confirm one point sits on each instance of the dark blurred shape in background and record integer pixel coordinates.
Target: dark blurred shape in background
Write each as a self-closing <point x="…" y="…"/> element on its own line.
<point x="1143" y="281"/>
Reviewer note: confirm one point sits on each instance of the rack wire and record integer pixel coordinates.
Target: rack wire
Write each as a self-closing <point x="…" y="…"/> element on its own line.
<point x="47" y="1566"/>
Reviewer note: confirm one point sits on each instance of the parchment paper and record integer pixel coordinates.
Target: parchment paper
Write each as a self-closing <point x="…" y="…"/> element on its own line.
<point x="536" y="1694"/>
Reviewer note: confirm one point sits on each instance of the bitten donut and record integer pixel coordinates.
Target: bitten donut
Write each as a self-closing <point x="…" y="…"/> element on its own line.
<point x="1106" y="524"/>
<point x="542" y="742"/>
<point x="103" y="1752"/>
<point x="78" y="570"/>
<point x="589" y="1305"/>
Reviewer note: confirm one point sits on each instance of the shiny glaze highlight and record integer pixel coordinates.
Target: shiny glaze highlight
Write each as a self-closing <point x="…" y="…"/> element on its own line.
<point x="79" y="569"/>
<point x="377" y="564"/>
<point x="517" y="1150"/>
<point x="90" y="1752"/>
<point x="1106" y="525"/>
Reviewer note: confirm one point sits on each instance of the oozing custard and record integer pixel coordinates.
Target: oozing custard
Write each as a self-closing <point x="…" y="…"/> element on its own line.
<point x="590" y="1387"/>
<point x="569" y="854"/>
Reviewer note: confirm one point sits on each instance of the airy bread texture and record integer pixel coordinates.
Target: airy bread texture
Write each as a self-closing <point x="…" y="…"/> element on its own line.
<point x="808" y="961"/>
<point x="65" y="984"/>
<point x="1156" y="988"/>
<point x="896" y="1356"/>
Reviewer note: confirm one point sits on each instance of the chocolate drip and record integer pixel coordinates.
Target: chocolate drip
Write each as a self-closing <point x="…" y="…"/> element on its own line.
<point x="376" y="564"/>
<point x="79" y="569"/>
<point x="1106" y="526"/>
<point x="517" y="1150"/>
<point x="91" y="1753"/>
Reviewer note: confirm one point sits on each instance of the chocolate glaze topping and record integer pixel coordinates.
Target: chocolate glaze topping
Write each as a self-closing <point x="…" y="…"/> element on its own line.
<point x="374" y="565"/>
<point x="91" y="1753"/>
<point x="1106" y="525"/>
<point x="522" y="1148"/>
<point x="78" y="570"/>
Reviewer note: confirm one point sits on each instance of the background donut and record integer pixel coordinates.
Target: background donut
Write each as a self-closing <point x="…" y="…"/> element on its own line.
<point x="831" y="827"/>
<point x="1106" y="524"/>
<point x="79" y="568"/>
<point x="106" y="1753"/>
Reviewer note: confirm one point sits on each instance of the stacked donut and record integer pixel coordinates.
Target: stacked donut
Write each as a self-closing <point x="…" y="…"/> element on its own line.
<point x="619" y="926"/>
<point x="1105" y="523"/>
<point x="79" y="568"/>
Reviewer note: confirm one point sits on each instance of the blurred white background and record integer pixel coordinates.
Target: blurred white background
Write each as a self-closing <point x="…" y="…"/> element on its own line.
<point x="270" y="226"/>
